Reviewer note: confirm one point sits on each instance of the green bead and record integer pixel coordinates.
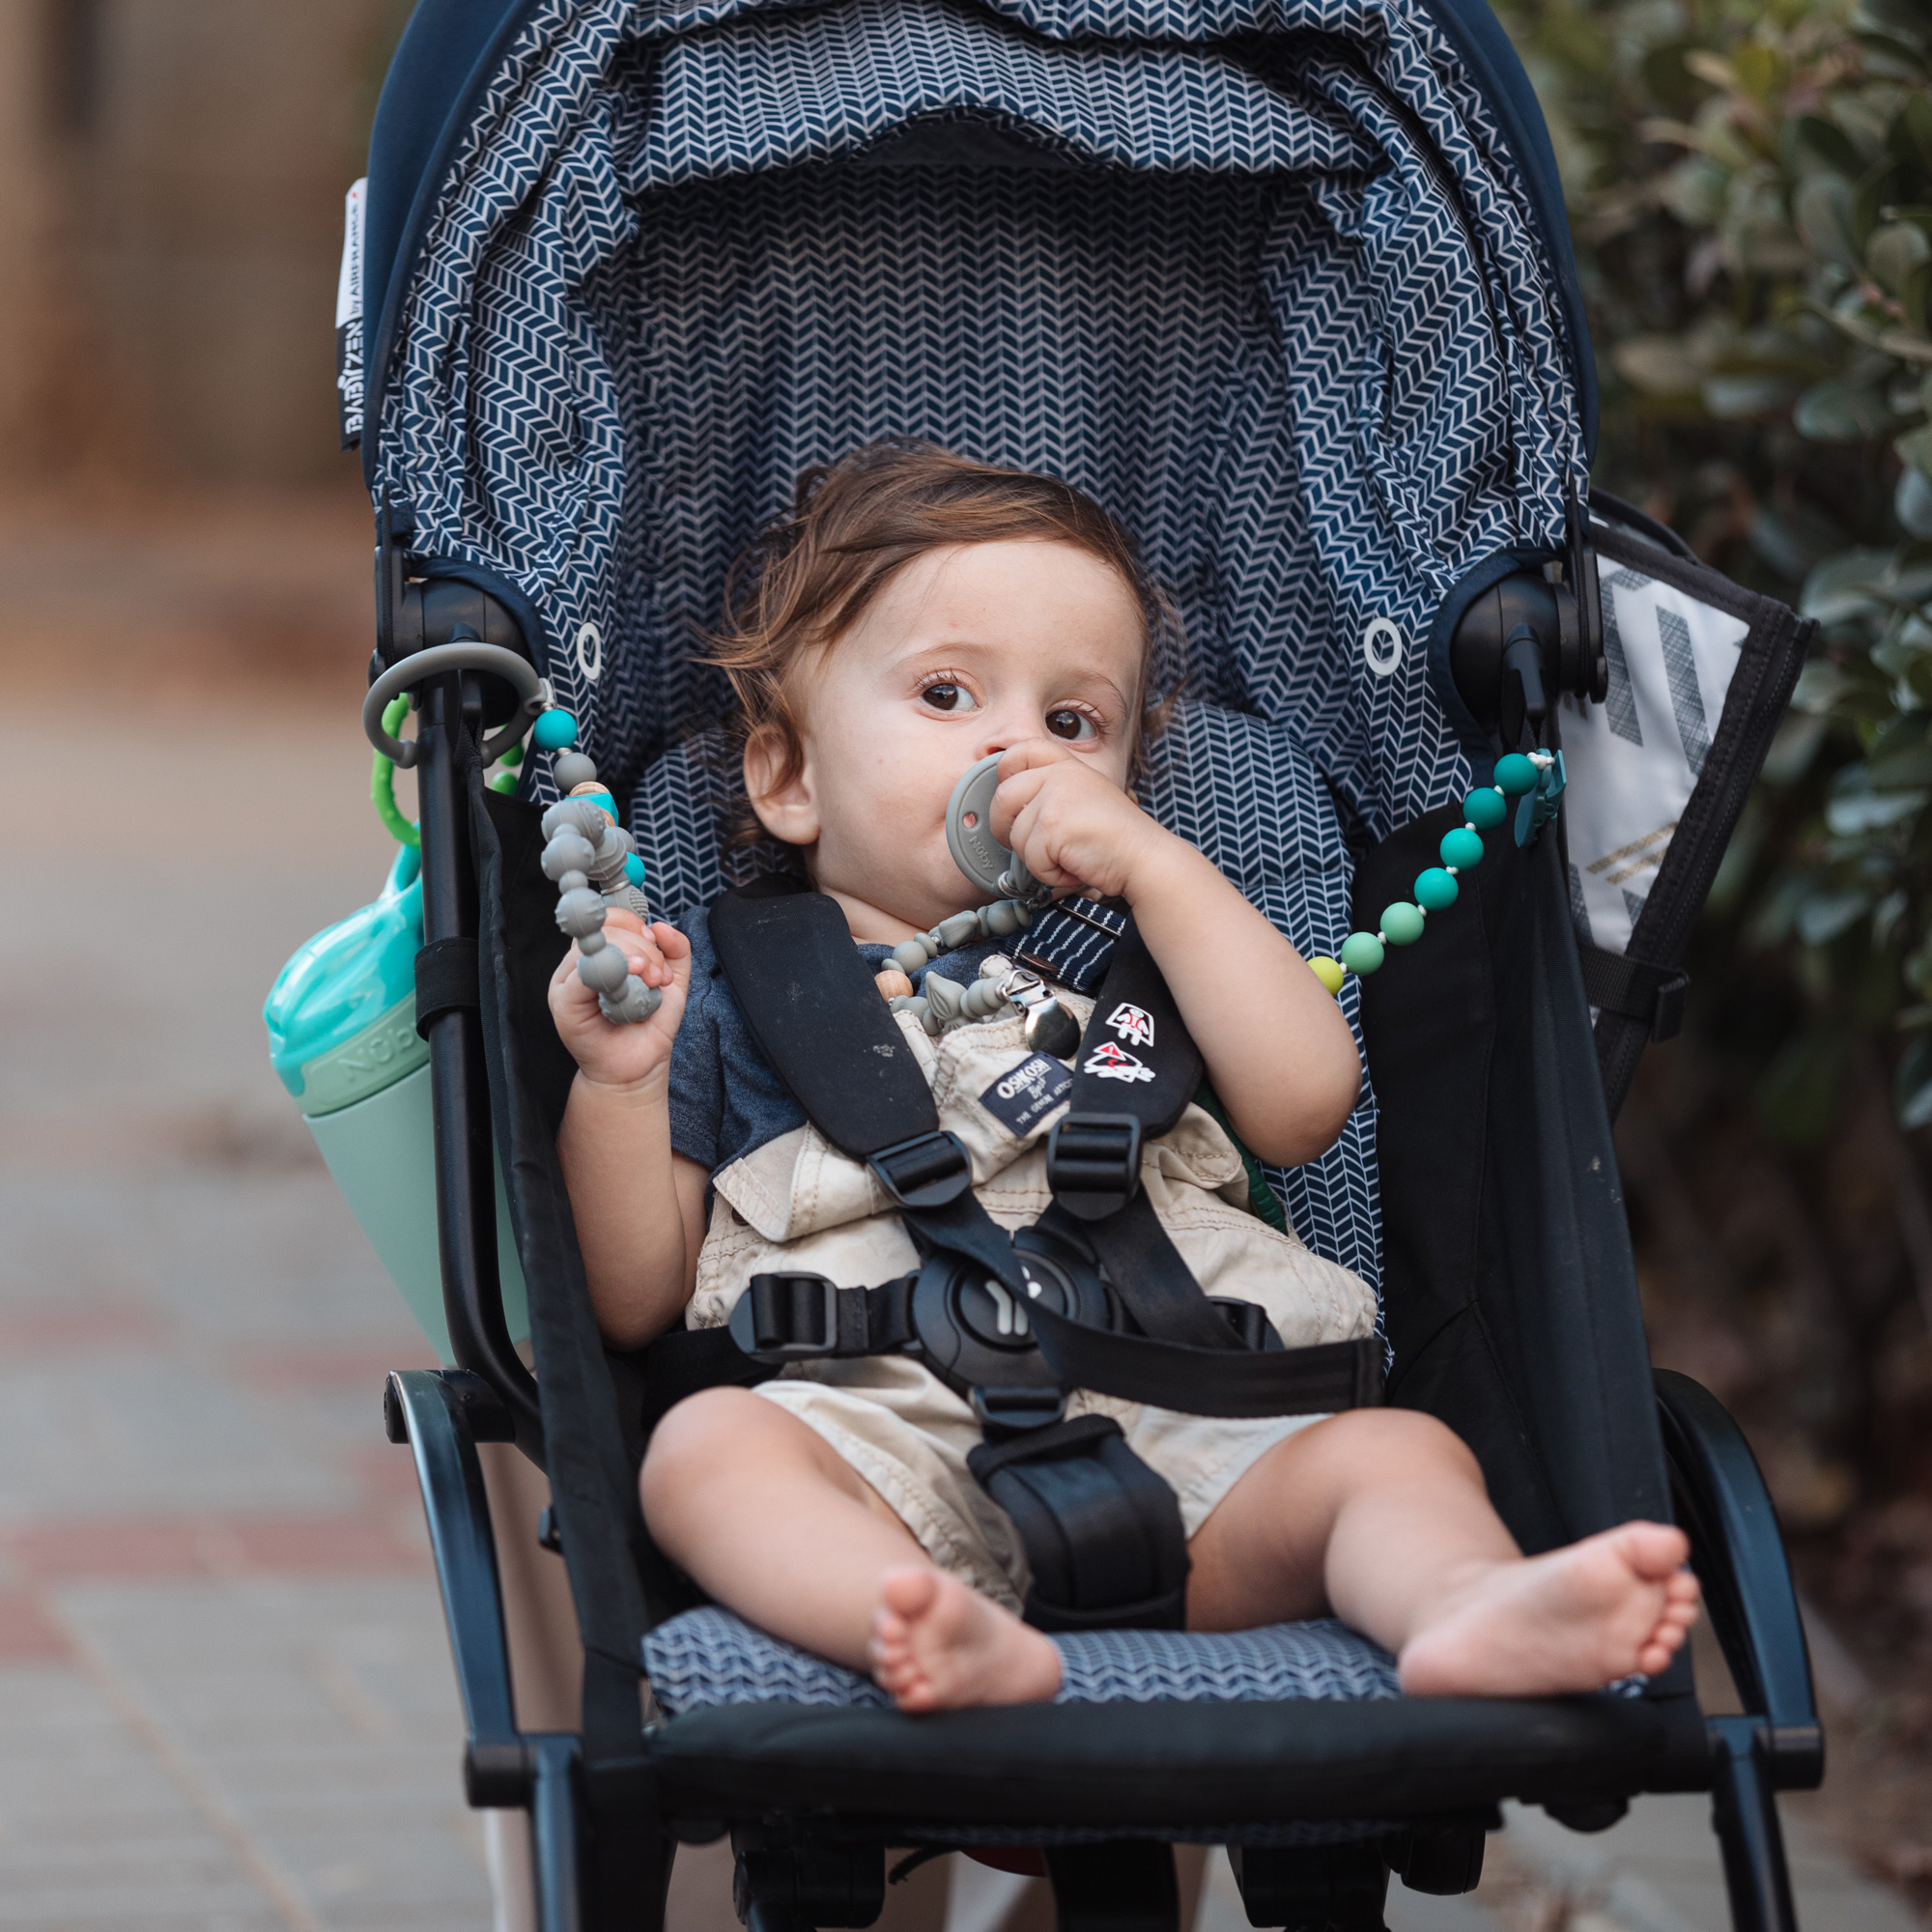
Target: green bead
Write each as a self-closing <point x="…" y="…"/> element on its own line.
<point x="633" y="871"/>
<point x="555" y="730"/>
<point x="1486" y="807"/>
<point x="1516" y="775"/>
<point x="1329" y="971"/>
<point x="1361" y="953"/>
<point x="1402" y="924"/>
<point x="1462" y="848"/>
<point x="1435" y="890"/>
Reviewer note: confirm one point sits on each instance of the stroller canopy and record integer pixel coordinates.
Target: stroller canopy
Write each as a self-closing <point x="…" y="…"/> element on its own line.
<point x="1285" y="286"/>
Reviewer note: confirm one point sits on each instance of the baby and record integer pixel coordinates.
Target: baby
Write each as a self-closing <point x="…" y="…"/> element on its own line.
<point x="920" y="612"/>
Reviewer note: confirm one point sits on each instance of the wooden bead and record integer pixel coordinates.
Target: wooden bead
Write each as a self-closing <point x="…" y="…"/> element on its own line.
<point x="892" y="984"/>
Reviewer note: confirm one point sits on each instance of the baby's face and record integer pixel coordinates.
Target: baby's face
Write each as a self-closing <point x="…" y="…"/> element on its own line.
<point x="967" y="651"/>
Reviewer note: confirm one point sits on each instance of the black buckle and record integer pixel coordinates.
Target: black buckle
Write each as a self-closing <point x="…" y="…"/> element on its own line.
<point x="926" y="1172"/>
<point x="1249" y="1320"/>
<point x="1667" y="1016"/>
<point x="1011" y="1412"/>
<point x="793" y="1314"/>
<point x="1093" y="1163"/>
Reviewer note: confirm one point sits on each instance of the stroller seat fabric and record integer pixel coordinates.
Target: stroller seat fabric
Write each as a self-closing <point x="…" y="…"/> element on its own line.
<point x="711" y="1656"/>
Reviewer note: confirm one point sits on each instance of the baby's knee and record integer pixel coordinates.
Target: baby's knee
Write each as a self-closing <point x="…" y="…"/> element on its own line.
<point x="703" y="1436"/>
<point x="1379" y="1444"/>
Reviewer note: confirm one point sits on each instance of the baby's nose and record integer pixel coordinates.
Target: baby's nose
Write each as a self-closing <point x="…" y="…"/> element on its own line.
<point x="1002" y="730"/>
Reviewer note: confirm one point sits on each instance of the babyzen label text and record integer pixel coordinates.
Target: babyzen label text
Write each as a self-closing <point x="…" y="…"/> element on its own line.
<point x="1022" y="1098"/>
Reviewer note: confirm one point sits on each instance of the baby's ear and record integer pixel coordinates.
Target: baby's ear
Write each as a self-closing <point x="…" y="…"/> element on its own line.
<point x="779" y="787"/>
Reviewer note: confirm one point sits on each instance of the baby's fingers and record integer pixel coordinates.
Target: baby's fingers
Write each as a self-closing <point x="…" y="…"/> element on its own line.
<point x="1011" y="800"/>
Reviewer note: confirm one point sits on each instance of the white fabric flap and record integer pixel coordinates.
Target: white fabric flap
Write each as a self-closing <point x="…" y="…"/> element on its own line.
<point x="1634" y="760"/>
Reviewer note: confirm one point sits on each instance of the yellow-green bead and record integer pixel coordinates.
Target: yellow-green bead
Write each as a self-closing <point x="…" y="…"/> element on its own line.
<point x="1361" y="953"/>
<point x="1330" y="972"/>
<point x="1402" y="924"/>
<point x="1486" y="807"/>
<point x="1462" y="848"/>
<point x="1434" y="890"/>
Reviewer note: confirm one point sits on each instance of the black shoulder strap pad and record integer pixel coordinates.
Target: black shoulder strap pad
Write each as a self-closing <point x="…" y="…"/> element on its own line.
<point x="1136" y="1056"/>
<point x="819" y="1019"/>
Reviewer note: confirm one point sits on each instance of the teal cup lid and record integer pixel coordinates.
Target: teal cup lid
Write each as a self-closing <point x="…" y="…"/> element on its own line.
<point x="341" y="1014"/>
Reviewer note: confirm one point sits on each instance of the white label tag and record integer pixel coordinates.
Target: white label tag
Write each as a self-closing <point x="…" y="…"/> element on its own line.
<point x="348" y="319"/>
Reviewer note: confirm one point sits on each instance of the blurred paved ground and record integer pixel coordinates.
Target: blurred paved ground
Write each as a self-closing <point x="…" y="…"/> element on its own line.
<point x="225" y="1700"/>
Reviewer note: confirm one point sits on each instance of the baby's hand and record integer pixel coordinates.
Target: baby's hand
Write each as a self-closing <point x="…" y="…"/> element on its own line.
<point x="1070" y="823"/>
<point x="611" y="1054"/>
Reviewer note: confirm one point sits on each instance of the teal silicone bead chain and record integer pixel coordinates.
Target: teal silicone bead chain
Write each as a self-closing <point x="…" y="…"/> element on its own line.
<point x="1437" y="889"/>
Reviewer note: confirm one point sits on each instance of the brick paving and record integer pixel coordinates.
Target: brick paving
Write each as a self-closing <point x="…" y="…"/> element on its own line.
<point x="225" y="1695"/>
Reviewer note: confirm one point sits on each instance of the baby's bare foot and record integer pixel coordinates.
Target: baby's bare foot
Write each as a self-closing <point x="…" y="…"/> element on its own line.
<point x="1574" y="1620"/>
<point x="939" y="1646"/>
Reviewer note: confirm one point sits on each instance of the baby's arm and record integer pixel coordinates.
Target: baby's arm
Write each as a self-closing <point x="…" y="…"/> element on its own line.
<point x="638" y="1206"/>
<point x="1275" y="1046"/>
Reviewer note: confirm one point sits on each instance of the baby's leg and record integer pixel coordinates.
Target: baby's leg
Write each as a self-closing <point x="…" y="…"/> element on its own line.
<point x="765" y="1515"/>
<point x="1383" y="1515"/>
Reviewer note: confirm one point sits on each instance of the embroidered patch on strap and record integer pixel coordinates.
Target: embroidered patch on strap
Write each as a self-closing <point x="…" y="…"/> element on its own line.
<point x="1021" y="1100"/>
<point x="1112" y="1062"/>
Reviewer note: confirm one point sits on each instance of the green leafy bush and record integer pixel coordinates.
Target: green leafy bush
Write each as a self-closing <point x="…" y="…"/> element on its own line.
<point x="1750" y="192"/>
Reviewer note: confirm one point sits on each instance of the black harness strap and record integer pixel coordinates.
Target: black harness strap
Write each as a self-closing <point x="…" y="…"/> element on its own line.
<point x="1136" y="1055"/>
<point x="818" y="1018"/>
<point x="1213" y="1382"/>
<point x="1102" y="1532"/>
<point x="824" y="1031"/>
<point x="1147" y="1272"/>
<point x="1136" y="1070"/>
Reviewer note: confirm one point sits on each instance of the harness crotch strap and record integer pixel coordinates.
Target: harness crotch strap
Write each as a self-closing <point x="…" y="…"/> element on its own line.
<point x="1095" y="1295"/>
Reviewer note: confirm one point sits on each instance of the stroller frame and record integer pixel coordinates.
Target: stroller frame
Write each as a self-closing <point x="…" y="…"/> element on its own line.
<point x="811" y="1796"/>
<point x="1578" y="1757"/>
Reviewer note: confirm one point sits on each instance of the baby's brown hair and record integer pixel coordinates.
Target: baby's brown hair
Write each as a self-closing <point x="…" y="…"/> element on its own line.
<point x="853" y="525"/>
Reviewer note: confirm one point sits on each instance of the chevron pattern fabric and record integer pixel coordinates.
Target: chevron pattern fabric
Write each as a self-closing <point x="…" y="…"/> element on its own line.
<point x="711" y="1656"/>
<point x="1278" y="302"/>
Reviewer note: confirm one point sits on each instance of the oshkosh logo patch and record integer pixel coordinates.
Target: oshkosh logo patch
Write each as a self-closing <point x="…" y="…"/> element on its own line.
<point x="1021" y="1100"/>
<point x="1110" y="1062"/>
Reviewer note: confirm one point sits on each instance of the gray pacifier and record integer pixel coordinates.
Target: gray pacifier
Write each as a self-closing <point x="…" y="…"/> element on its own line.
<point x="969" y="835"/>
<point x="969" y="817"/>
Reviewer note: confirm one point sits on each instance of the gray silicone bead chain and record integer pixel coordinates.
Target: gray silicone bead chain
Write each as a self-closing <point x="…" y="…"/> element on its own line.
<point x="585" y="858"/>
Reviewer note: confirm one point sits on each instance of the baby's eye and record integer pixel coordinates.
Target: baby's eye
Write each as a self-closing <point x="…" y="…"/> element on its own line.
<point x="944" y="696"/>
<point x="1068" y="723"/>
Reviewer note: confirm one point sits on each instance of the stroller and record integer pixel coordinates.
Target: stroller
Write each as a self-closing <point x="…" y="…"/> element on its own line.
<point x="1284" y="284"/>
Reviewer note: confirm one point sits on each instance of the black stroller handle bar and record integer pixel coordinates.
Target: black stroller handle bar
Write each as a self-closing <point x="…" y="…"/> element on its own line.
<point x="438" y="660"/>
